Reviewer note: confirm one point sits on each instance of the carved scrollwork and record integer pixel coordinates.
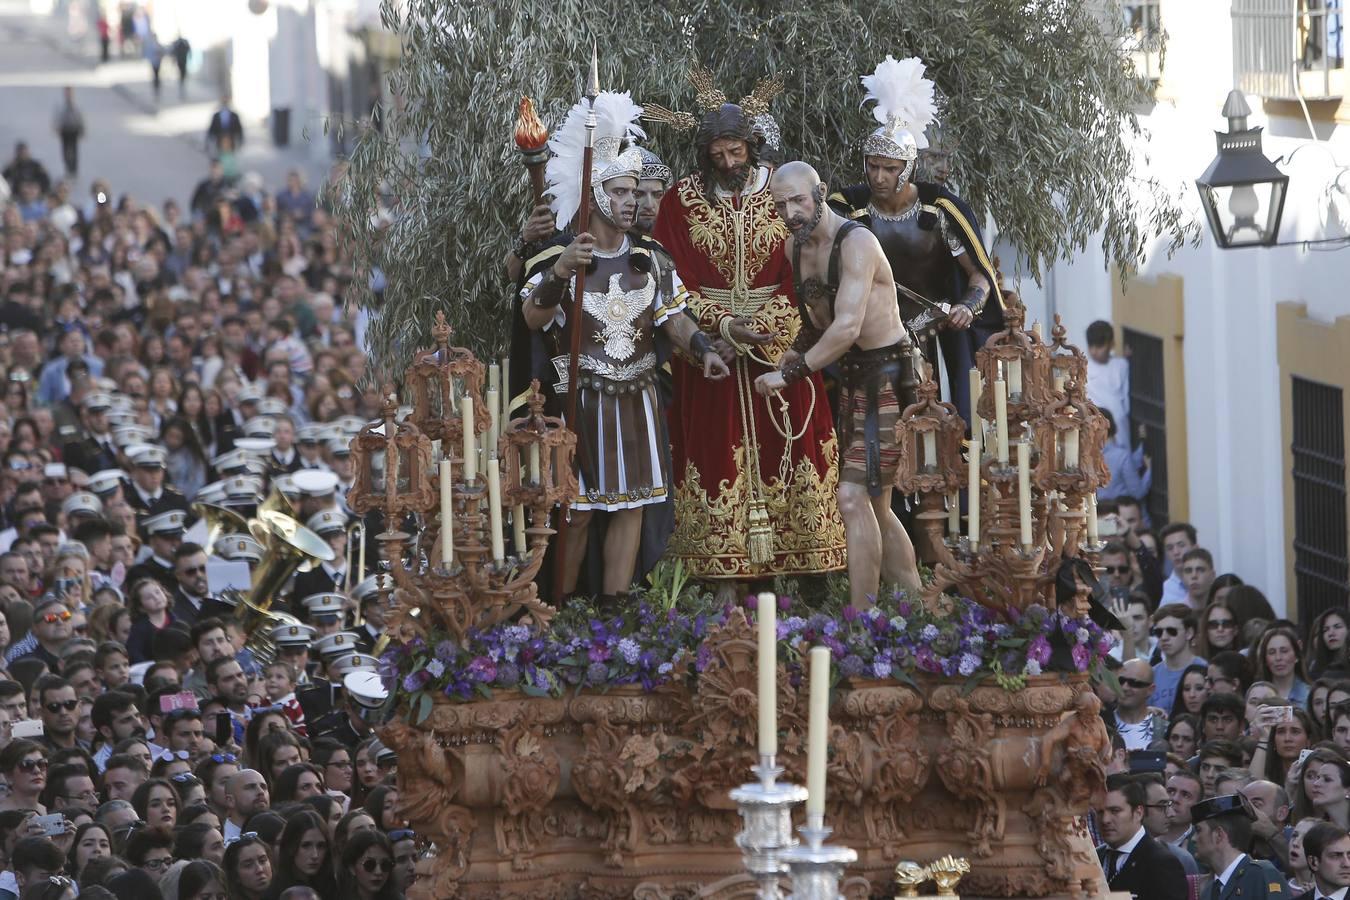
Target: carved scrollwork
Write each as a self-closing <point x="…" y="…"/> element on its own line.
<point x="965" y="766"/>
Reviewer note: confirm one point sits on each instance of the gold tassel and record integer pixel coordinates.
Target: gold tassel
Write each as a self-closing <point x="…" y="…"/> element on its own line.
<point x="760" y="539"/>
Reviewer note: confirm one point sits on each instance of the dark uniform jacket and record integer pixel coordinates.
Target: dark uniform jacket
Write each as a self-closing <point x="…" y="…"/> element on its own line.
<point x="1149" y="871"/>
<point x="1253" y="879"/>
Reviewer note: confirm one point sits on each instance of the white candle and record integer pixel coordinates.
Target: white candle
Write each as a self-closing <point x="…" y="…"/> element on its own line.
<point x="1015" y="377"/>
<point x="1024" y="490"/>
<point x="494" y="425"/>
<point x="534" y="463"/>
<point x="1036" y="330"/>
<point x="1001" y="419"/>
<point x="1091" y="504"/>
<point x="976" y="388"/>
<point x="494" y="378"/>
<point x="767" y="612"/>
<point x="518" y="525"/>
<point x="447" y="515"/>
<point x="1071" y="449"/>
<point x="506" y="389"/>
<point x="929" y="450"/>
<point x="1059" y="382"/>
<point x="954" y="514"/>
<point x="470" y="450"/>
<point x="495" y="509"/>
<point x="973" y="494"/>
<point x="818" y="727"/>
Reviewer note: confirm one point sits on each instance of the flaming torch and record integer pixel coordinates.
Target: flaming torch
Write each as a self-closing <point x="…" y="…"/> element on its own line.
<point x="532" y="142"/>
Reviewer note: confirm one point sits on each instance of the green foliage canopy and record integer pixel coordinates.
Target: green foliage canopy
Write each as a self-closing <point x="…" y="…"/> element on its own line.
<point x="1038" y="93"/>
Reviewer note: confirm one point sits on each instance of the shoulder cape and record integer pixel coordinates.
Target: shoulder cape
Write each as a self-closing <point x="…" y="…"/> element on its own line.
<point x="852" y="202"/>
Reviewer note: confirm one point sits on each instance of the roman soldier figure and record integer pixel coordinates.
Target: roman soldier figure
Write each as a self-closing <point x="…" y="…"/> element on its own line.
<point x="631" y="296"/>
<point x="930" y="236"/>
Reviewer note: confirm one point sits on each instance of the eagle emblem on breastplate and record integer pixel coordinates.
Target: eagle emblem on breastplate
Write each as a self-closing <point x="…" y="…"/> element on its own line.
<point x="617" y="310"/>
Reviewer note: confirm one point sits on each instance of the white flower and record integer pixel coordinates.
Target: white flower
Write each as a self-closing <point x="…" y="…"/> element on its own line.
<point x="898" y="623"/>
<point x="1032" y="668"/>
<point x="1084" y="636"/>
<point x="436" y="668"/>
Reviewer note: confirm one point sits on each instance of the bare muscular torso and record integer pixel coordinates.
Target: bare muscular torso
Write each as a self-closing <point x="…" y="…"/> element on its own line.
<point x="859" y="253"/>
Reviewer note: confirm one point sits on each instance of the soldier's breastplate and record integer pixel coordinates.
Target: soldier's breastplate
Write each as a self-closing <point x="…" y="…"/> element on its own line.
<point x="616" y="334"/>
<point x="919" y="257"/>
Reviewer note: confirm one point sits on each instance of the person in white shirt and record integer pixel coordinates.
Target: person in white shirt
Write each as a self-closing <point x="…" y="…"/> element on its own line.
<point x="1108" y="378"/>
<point x="1326" y="846"/>
<point x="1178" y="539"/>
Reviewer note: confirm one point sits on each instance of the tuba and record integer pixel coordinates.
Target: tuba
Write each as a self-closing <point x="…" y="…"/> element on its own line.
<point x="219" y="521"/>
<point x="289" y="546"/>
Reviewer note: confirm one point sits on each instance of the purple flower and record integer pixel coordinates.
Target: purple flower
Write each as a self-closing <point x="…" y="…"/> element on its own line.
<point x="850" y="614"/>
<point x="1039" y="650"/>
<point x="481" y="669"/>
<point x="852" y="666"/>
<point x="596" y="674"/>
<point x="629" y="650"/>
<point x="930" y="633"/>
<point x="598" y="653"/>
<point x="881" y="667"/>
<point x="1081" y="656"/>
<point x="785" y="603"/>
<point x="968" y="664"/>
<point x="413" y="682"/>
<point x="446" y="651"/>
<point x="751" y="601"/>
<point x="435" y="668"/>
<point x="508" y="673"/>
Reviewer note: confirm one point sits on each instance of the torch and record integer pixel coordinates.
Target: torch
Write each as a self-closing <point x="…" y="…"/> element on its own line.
<point x="574" y="318"/>
<point x="532" y="142"/>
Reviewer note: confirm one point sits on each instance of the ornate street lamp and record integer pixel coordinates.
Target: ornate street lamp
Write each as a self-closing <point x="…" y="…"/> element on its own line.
<point x="1243" y="192"/>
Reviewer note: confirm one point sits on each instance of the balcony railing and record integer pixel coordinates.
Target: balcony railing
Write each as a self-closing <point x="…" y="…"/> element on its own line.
<point x="1284" y="48"/>
<point x="1144" y="36"/>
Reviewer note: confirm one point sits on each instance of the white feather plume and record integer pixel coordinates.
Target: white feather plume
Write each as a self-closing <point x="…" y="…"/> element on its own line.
<point x="903" y="96"/>
<point x="616" y="116"/>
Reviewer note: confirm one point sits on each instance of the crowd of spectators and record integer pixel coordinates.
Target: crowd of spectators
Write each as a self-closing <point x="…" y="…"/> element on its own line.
<point x="160" y="363"/>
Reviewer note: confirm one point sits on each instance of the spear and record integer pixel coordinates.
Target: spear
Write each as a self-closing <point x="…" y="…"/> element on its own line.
<point x="574" y="320"/>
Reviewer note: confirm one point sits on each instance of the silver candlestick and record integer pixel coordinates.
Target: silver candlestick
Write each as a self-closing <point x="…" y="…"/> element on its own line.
<point x="816" y="868"/>
<point x="766" y="808"/>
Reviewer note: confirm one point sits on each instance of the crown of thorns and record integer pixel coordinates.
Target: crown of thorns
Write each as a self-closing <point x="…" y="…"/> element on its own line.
<point x="709" y="98"/>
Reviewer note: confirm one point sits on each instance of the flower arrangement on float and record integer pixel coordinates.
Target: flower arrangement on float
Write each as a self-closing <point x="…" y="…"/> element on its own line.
<point x="651" y="644"/>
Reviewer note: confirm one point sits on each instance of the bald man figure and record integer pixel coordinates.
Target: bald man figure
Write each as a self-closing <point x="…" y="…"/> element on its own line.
<point x="849" y="314"/>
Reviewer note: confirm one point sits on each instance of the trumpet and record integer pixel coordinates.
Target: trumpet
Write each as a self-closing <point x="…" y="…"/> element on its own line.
<point x="356" y="552"/>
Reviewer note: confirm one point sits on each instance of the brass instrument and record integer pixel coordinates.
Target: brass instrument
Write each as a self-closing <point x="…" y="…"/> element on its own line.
<point x="219" y="521"/>
<point x="289" y="545"/>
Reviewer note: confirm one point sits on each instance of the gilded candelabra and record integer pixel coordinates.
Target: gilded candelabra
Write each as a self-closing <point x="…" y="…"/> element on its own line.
<point x="1031" y="468"/>
<point x="424" y="475"/>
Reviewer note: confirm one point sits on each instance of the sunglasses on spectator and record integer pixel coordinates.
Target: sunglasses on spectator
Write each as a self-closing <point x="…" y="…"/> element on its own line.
<point x="28" y="765"/>
<point x="1170" y="631"/>
<point x="402" y="834"/>
<point x="57" y="705"/>
<point x="220" y="758"/>
<point x="186" y="778"/>
<point x="131" y="827"/>
<point x="385" y="865"/>
<point x="1117" y="570"/>
<point x="247" y="837"/>
<point x="1223" y="623"/>
<point x="53" y="618"/>
<point x="193" y="570"/>
<point x="1135" y="683"/>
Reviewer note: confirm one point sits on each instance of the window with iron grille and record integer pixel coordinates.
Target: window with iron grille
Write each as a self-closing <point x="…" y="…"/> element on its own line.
<point x="1148" y="407"/>
<point x="1321" y="551"/>
<point x="1286" y="48"/>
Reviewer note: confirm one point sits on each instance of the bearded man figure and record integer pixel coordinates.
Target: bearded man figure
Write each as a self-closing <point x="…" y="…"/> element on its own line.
<point x="754" y="476"/>
<point x="930" y="236"/>
<point x="633" y="296"/>
<point x="846" y="294"/>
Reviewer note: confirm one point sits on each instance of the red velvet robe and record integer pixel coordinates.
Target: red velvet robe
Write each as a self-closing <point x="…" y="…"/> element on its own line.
<point x="738" y="243"/>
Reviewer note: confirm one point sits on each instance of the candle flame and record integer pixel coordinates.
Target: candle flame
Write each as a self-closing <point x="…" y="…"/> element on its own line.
<point x="530" y="131"/>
